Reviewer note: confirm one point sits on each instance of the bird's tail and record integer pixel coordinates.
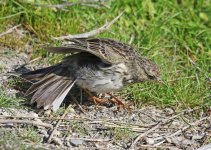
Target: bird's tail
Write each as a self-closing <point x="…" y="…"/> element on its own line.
<point x="51" y="89"/>
<point x="40" y="73"/>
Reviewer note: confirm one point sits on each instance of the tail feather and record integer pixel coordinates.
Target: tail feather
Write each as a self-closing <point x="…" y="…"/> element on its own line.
<point x="54" y="85"/>
<point x="60" y="97"/>
<point x="45" y="90"/>
<point x="52" y="96"/>
<point x="40" y="73"/>
<point x="39" y="84"/>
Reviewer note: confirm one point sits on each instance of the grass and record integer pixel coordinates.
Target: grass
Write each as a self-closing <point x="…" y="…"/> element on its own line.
<point x="175" y="34"/>
<point x="15" y="140"/>
<point x="10" y="101"/>
<point x="121" y="134"/>
<point x="8" y="98"/>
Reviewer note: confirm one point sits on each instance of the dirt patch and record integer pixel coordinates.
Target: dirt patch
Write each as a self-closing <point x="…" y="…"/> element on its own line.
<point x="106" y="128"/>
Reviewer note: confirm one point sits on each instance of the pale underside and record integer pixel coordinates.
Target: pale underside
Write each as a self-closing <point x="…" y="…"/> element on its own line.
<point x="110" y="80"/>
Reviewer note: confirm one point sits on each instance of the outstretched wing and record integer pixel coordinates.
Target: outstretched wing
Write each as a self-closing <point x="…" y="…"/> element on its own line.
<point x="109" y="51"/>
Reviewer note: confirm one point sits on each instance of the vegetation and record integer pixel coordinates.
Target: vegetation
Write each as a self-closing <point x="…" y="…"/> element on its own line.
<point x="15" y="140"/>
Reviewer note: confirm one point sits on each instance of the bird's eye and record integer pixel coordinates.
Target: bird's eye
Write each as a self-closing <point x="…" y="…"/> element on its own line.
<point x="151" y="77"/>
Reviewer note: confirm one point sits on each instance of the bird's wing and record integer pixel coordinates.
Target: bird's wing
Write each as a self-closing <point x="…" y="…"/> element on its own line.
<point x="108" y="50"/>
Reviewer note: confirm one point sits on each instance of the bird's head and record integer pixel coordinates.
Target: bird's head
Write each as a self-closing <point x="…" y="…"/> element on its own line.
<point x="148" y="71"/>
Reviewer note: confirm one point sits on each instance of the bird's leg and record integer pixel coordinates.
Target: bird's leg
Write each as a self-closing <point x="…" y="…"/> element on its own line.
<point x="117" y="101"/>
<point x="94" y="98"/>
<point x="113" y="99"/>
<point x="81" y="96"/>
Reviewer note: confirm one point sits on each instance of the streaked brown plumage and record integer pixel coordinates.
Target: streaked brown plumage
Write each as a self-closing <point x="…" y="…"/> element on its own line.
<point x="99" y="65"/>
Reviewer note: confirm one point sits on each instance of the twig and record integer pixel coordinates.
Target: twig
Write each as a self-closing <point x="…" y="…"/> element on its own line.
<point x="135" y="127"/>
<point x="35" y="123"/>
<point x="158" y="147"/>
<point x="70" y="4"/>
<point x="181" y="130"/>
<point x="97" y="6"/>
<point x="91" y="140"/>
<point x="47" y="118"/>
<point x="148" y="115"/>
<point x="183" y="112"/>
<point x="106" y="123"/>
<point x="163" y="122"/>
<point x="188" y="126"/>
<point x="33" y="60"/>
<point x="105" y="27"/>
<point x="10" y="30"/>
<point x="58" y="6"/>
<point x="88" y="148"/>
<point x="145" y="133"/>
<point x="57" y="124"/>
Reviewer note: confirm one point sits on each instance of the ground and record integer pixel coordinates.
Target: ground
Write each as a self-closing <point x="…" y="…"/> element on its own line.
<point x="174" y="34"/>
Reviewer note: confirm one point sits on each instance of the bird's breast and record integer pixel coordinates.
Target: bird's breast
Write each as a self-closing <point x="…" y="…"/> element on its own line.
<point x="102" y="80"/>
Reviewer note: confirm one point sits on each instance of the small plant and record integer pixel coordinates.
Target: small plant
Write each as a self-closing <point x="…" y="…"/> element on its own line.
<point x="78" y="128"/>
<point x="9" y="101"/>
<point x="31" y="134"/>
<point x="122" y="134"/>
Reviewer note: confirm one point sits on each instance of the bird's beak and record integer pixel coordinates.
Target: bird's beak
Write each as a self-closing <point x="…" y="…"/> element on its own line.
<point x="159" y="80"/>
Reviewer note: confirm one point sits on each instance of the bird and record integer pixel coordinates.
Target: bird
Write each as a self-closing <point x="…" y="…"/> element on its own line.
<point x="97" y="65"/>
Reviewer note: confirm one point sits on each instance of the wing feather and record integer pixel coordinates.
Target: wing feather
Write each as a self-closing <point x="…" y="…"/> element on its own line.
<point x="108" y="50"/>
